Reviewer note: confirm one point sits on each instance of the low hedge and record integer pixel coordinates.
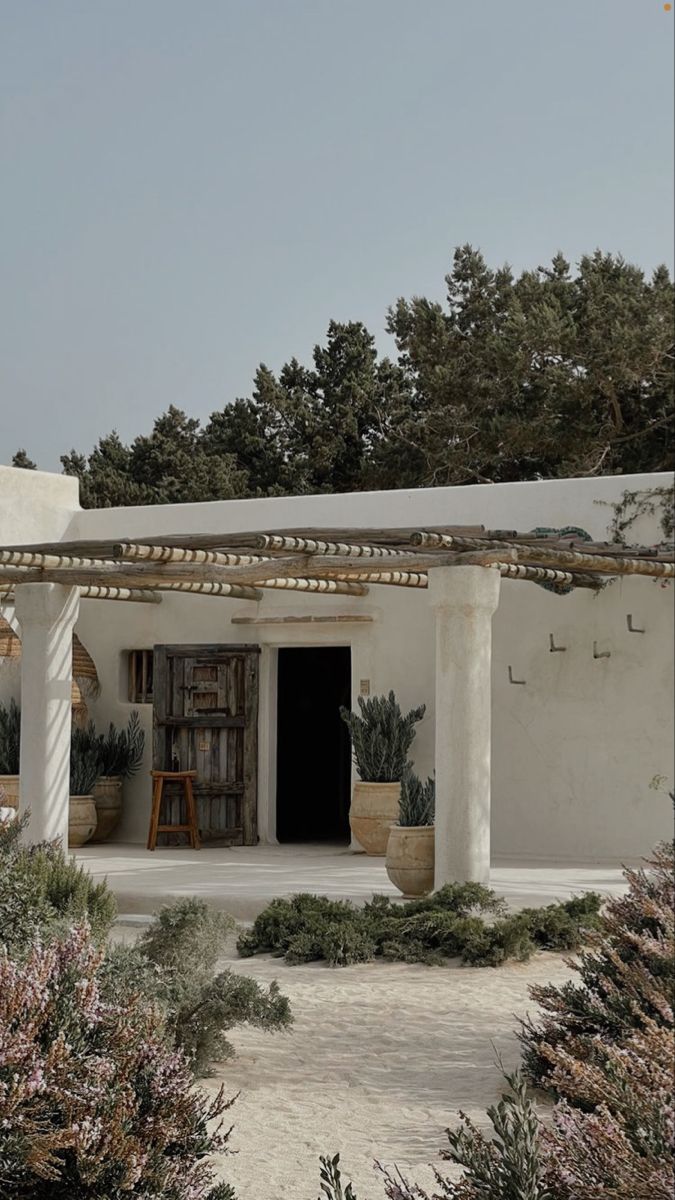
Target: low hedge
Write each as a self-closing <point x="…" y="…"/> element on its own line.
<point x="466" y="921"/>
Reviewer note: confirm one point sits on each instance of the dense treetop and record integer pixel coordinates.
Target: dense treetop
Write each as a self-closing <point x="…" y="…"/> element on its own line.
<point x="553" y="373"/>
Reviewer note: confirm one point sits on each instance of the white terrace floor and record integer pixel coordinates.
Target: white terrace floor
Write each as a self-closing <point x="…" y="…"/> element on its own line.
<point x="244" y="879"/>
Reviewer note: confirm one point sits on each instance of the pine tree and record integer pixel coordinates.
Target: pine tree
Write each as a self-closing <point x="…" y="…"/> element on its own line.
<point x="22" y="460"/>
<point x="554" y="373"/>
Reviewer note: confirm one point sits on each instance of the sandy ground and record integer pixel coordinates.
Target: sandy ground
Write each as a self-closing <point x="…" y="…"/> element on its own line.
<point x="376" y="1065"/>
<point x="380" y="1057"/>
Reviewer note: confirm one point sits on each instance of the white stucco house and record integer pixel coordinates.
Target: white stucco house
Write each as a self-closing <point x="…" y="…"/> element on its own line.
<point x="548" y="715"/>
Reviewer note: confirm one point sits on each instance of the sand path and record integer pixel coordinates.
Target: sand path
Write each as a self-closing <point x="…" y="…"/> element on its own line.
<point x="378" y="1061"/>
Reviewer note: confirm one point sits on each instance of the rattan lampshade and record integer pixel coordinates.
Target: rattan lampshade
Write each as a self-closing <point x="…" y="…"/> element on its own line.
<point x="10" y="642"/>
<point x="85" y="675"/>
<point x="84" y="669"/>
<point x="79" y="707"/>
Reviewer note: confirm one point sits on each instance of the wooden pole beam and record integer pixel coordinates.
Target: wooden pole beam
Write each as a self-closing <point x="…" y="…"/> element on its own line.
<point x="117" y="580"/>
<point x="518" y="571"/>
<point x="135" y="595"/>
<point x="331" y="586"/>
<point x="662" y="552"/>
<point x="344" y="567"/>
<point x="485" y="557"/>
<point x="312" y="546"/>
<point x="103" y="548"/>
<point x="396" y="539"/>
<point x="97" y="575"/>
<point x="235" y="591"/>
<point x="136" y="552"/>
<point x="129" y="575"/>
<point x="315" y="566"/>
<point x="131" y="595"/>
<point x="549" y="575"/>
<point x="26" y="559"/>
<point x="410" y="579"/>
<point x="571" y="559"/>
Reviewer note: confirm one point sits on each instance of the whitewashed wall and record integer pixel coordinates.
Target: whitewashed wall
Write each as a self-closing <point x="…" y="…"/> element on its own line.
<point x="574" y="750"/>
<point x="35" y="506"/>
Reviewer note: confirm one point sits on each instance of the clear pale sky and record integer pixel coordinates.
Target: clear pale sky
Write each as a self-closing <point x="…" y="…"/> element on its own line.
<point x="190" y="187"/>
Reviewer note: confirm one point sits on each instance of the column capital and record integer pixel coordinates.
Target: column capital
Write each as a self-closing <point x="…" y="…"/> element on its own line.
<point x="465" y="588"/>
<point x="45" y="604"/>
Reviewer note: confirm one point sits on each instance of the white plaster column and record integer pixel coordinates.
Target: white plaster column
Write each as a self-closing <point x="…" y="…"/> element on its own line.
<point x="46" y="613"/>
<point x="464" y="599"/>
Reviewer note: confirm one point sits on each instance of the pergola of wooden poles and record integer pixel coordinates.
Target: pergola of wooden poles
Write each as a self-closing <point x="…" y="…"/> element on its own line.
<point x="344" y="562"/>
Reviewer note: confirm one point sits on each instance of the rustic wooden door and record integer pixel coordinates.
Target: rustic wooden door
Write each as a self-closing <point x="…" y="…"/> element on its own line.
<point x="205" y="719"/>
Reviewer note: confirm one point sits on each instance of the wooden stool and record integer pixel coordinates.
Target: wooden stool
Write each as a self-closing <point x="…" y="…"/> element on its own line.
<point x="185" y="777"/>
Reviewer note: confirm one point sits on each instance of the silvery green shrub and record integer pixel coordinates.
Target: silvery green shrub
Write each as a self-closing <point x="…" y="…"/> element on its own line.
<point x="381" y="737"/>
<point x="417" y="805"/>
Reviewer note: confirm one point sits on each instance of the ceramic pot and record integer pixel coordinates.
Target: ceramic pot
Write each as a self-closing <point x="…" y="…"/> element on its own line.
<point x="81" y="820"/>
<point x="373" y="811"/>
<point x="410" y="859"/>
<point x="108" y="801"/>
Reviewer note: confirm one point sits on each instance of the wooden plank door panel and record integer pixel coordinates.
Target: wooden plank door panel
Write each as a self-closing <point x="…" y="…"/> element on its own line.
<point x="205" y="719"/>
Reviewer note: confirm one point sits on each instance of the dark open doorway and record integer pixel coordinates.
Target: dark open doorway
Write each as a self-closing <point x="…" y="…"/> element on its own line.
<point x="313" y="754"/>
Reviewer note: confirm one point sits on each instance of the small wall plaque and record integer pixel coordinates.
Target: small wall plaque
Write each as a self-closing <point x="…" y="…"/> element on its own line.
<point x="204" y="746"/>
<point x="364" y="687"/>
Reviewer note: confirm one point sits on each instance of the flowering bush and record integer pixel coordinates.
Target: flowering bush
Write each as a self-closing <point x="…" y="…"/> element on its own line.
<point x="621" y="1149"/>
<point x="627" y="978"/>
<point x="605" y="1049"/>
<point x="623" y="1146"/>
<point x="93" y="1106"/>
<point x="173" y="965"/>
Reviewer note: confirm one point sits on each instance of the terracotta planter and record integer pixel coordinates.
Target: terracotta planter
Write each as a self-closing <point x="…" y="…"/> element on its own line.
<point x="81" y="820"/>
<point x="410" y="859"/>
<point x="9" y="791"/>
<point x="373" y="811"/>
<point x="108" y="801"/>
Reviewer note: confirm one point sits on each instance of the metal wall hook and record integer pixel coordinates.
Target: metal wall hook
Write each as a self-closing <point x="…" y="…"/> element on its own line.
<point x="602" y="653"/>
<point x="552" y="646"/>
<point x="512" y="680"/>
<point x="631" y="627"/>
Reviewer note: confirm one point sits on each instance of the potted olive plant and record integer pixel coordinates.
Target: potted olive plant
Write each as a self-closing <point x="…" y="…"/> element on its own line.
<point x="410" y="849"/>
<point x="83" y="775"/>
<point x="10" y="735"/>
<point x="381" y="738"/>
<point x="120" y="753"/>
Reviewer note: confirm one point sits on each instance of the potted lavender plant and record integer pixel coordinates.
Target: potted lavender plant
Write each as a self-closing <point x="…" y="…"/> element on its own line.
<point x="410" y="849"/>
<point x="381" y="738"/>
<point x="83" y="776"/>
<point x="120" y="753"/>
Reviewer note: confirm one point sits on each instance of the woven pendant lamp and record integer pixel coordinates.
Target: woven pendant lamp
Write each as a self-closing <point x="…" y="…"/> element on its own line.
<point x="84" y="669"/>
<point x="85" y="675"/>
<point x="79" y="707"/>
<point x="10" y="642"/>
